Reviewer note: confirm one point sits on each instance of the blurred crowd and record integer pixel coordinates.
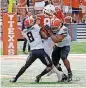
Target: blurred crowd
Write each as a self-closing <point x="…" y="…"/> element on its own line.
<point x="74" y="8"/>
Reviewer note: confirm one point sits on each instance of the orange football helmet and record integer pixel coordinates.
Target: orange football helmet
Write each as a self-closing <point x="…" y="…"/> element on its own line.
<point x="28" y="22"/>
<point x="55" y="25"/>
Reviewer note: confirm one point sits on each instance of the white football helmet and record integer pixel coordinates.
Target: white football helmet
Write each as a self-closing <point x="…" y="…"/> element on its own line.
<point x="49" y="9"/>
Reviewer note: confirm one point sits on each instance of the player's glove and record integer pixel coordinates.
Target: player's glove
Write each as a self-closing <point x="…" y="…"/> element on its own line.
<point x="46" y="27"/>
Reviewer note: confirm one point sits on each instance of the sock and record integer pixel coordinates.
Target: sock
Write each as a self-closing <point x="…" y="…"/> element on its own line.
<point x="44" y="72"/>
<point x="56" y="70"/>
<point x="22" y="70"/>
<point x="59" y="73"/>
<point x="69" y="70"/>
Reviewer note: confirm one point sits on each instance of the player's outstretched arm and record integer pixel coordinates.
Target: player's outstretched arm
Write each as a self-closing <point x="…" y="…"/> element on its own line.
<point x="57" y="38"/>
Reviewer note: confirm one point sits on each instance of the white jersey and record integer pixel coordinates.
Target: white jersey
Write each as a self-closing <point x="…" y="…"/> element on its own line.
<point x="48" y="46"/>
<point x="67" y="40"/>
<point x="34" y="38"/>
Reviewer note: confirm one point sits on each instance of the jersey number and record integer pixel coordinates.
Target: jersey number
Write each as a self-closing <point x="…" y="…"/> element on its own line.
<point x="30" y="36"/>
<point x="47" y="21"/>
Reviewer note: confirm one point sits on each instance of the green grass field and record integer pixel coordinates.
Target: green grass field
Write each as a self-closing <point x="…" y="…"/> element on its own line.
<point x="10" y="67"/>
<point x="76" y="48"/>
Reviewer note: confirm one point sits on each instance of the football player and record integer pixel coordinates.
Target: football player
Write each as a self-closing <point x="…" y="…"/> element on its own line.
<point x="33" y="34"/>
<point x="58" y="24"/>
<point x="49" y="14"/>
<point x="45" y="23"/>
<point x="51" y="10"/>
<point x="46" y="17"/>
<point x="60" y="35"/>
<point x="24" y="23"/>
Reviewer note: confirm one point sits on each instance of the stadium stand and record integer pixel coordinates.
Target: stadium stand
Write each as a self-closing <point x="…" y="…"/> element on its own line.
<point x="81" y="32"/>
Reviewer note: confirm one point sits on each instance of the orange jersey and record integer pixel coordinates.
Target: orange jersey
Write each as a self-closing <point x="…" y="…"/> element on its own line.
<point x="83" y="2"/>
<point x="66" y="2"/>
<point x="75" y="3"/>
<point x="44" y="20"/>
<point x="41" y="16"/>
<point x="47" y="20"/>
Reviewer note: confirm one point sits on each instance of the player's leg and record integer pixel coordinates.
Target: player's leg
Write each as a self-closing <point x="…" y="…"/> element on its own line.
<point x="24" y="45"/>
<point x="64" y="54"/>
<point x="29" y="61"/>
<point x="47" y="61"/>
<point x="28" y="47"/>
<point x="56" y="55"/>
<point x="55" y="58"/>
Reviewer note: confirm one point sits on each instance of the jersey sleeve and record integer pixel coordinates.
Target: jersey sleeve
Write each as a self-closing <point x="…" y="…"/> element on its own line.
<point x="63" y="32"/>
<point x="41" y="19"/>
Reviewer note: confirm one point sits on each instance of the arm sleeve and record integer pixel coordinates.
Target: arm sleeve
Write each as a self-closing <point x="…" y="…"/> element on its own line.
<point x="63" y="32"/>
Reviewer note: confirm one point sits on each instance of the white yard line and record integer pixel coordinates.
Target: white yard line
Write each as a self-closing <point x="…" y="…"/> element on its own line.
<point x="25" y="56"/>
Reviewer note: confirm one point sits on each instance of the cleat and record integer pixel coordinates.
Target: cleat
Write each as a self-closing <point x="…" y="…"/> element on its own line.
<point x="38" y="79"/>
<point x="60" y="76"/>
<point x="13" y="80"/>
<point x="64" y="78"/>
<point x="59" y="68"/>
<point x="25" y="52"/>
<point x="69" y="77"/>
